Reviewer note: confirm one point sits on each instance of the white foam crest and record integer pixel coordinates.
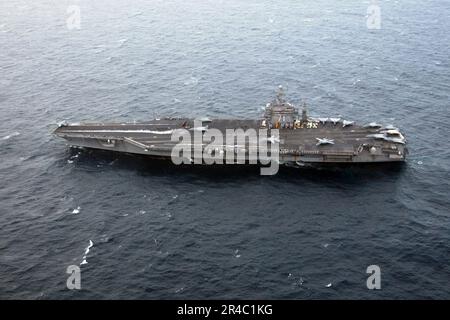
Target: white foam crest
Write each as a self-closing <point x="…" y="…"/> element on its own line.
<point x="86" y="251"/>
<point x="14" y="134"/>
<point x="88" y="247"/>
<point x="77" y="210"/>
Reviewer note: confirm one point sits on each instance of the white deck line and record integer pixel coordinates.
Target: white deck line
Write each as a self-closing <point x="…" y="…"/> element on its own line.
<point x="117" y="124"/>
<point x="121" y="131"/>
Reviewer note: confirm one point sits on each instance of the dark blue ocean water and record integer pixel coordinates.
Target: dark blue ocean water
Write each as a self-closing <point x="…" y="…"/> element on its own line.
<point x="162" y="232"/>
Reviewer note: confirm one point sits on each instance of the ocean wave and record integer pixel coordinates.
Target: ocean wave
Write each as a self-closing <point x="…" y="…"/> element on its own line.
<point x="14" y="134"/>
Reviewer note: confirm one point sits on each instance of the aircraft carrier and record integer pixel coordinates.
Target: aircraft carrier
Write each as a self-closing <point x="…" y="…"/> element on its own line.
<point x="302" y="140"/>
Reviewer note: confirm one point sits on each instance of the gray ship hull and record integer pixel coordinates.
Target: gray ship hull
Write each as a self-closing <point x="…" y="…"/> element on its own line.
<point x="298" y="144"/>
<point x="293" y="138"/>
